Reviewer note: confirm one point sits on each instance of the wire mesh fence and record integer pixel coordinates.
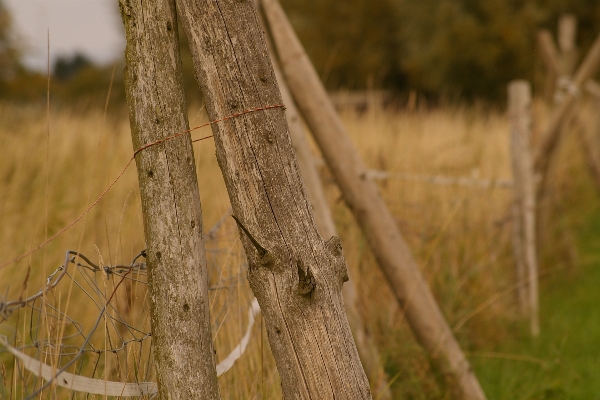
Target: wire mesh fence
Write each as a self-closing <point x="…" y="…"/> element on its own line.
<point x="91" y="320"/>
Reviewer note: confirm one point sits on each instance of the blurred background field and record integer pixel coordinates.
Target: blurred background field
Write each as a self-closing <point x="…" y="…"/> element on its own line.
<point x="460" y="236"/>
<point x="431" y="102"/>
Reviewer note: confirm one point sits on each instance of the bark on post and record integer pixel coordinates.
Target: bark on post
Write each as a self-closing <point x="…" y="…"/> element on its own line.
<point x="296" y="276"/>
<point x="367" y="349"/>
<point x="519" y="105"/>
<point x="181" y="333"/>
<point x="363" y="198"/>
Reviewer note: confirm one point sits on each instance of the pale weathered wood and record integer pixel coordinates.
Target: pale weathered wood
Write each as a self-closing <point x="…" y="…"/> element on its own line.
<point x="367" y="349"/>
<point x="567" y="37"/>
<point x="524" y="242"/>
<point x="550" y="135"/>
<point x="363" y="198"/>
<point x="517" y="224"/>
<point x="296" y="276"/>
<point x="177" y="275"/>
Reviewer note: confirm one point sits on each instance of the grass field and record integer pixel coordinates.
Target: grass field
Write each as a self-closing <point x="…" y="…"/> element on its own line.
<point x="54" y="167"/>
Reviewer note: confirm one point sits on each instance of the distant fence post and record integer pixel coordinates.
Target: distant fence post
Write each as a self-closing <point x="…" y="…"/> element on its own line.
<point x="567" y="37"/>
<point x="524" y="242"/>
<point x="560" y="62"/>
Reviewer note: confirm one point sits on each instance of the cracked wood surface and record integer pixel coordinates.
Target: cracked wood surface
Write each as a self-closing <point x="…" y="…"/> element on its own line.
<point x="296" y="276"/>
<point x="177" y="275"/>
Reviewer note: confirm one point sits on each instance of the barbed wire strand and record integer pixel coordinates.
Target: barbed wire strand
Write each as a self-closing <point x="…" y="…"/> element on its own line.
<point x="52" y="347"/>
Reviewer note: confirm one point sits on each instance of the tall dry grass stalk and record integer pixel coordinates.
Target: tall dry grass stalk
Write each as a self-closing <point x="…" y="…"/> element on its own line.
<point x="459" y="235"/>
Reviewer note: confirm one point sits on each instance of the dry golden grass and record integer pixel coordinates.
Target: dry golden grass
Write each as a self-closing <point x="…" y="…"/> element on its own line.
<point x="459" y="234"/>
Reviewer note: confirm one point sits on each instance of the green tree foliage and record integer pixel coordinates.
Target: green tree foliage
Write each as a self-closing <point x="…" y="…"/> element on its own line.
<point x="351" y="43"/>
<point x="461" y="49"/>
<point x="465" y="49"/>
<point x="9" y="53"/>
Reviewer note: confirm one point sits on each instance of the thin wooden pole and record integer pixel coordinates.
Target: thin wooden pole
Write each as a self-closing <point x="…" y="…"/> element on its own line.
<point x="519" y="98"/>
<point x="363" y="198"/>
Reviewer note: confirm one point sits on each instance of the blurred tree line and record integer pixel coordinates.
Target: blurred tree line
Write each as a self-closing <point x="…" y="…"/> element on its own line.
<point x="461" y="50"/>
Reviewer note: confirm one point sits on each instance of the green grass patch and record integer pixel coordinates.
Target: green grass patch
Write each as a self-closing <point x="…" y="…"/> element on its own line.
<point x="564" y="362"/>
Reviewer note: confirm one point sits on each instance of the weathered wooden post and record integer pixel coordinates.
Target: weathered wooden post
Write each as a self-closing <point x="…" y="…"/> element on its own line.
<point x="367" y="349"/>
<point x="181" y="333"/>
<point x="296" y="276"/>
<point x="363" y="198"/>
<point x="524" y="204"/>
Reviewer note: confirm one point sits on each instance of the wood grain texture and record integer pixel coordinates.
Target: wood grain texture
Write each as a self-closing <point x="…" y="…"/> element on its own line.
<point x="177" y="275"/>
<point x="364" y="200"/>
<point x="296" y="276"/>
<point x="367" y="348"/>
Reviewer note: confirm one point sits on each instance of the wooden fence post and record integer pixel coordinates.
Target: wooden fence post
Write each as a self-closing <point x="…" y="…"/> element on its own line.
<point x="177" y="274"/>
<point x="367" y="349"/>
<point x="296" y="276"/>
<point x="363" y="198"/>
<point x="524" y="204"/>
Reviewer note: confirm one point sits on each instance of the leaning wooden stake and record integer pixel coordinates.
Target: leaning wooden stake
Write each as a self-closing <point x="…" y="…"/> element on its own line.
<point x="551" y="61"/>
<point x="519" y="108"/>
<point x="363" y="198"/>
<point x="367" y="349"/>
<point x="181" y="333"/>
<point x="296" y="276"/>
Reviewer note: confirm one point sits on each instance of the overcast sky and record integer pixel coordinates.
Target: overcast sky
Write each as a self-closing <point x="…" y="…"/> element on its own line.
<point x="91" y="27"/>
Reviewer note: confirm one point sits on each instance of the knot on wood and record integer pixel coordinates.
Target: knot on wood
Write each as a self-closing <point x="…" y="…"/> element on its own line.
<point x="265" y="257"/>
<point x="306" y="280"/>
<point x="334" y="247"/>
